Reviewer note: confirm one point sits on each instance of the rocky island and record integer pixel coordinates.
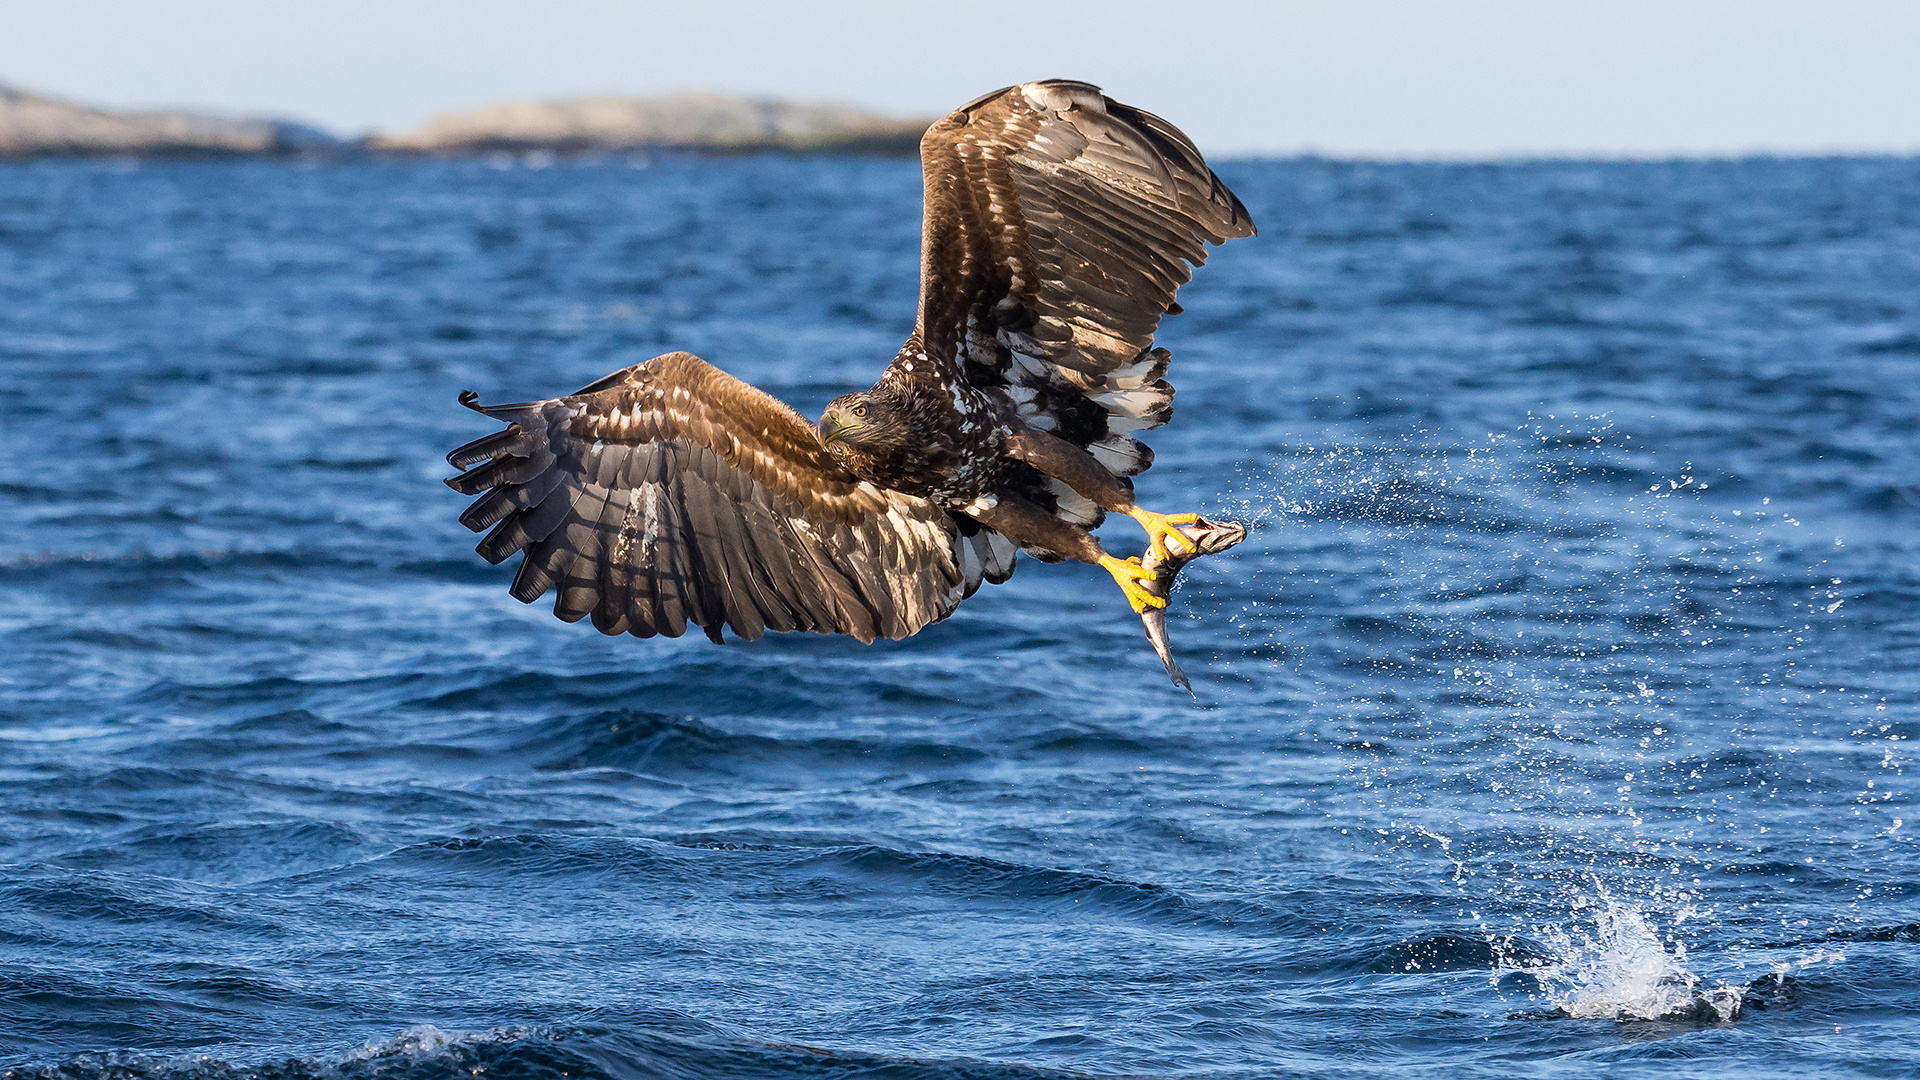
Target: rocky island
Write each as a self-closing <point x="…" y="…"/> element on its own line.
<point x="684" y="121"/>
<point x="35" y="126"/>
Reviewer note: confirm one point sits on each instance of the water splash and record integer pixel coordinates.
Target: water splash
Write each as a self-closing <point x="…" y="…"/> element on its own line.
<point x="1619" y="968"/>
<point x="427" y="1040"/>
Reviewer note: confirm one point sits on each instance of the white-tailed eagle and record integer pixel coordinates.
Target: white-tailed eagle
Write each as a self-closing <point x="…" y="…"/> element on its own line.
<point x="1059" y="224"/>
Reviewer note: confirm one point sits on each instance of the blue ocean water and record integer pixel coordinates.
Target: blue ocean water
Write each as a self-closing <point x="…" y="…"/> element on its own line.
<point x="1556" y="720"/>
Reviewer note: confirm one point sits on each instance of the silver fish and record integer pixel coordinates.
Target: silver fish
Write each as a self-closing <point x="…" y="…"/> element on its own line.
<point x="1210" y="537"/>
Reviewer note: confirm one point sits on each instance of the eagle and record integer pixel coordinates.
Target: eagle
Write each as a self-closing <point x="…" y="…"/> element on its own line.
<point x="1059" y="224"/>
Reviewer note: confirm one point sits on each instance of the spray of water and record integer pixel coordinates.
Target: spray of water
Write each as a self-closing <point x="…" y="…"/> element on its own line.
<point x="1612" y="964"/>
<point x="1558" y="628"/>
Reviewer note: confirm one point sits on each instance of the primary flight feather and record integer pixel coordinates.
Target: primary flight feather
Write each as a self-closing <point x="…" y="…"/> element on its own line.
<point x="1059" y="224"/>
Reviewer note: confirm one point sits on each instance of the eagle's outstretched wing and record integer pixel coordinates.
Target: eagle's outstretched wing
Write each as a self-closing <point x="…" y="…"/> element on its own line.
<point x="1059" y="225"/>
<point x="672" y="493"/>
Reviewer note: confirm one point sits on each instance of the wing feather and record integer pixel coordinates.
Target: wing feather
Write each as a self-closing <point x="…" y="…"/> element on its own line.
<point x="1059" y="226"/>
<point x="537" y="570"/>
<point x="672" y="494"/>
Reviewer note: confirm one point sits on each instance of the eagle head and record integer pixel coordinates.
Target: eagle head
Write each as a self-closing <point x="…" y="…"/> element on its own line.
<point x="865" y="421"/>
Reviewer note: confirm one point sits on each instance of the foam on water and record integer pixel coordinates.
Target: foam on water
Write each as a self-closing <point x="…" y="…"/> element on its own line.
<point x="1612" y="964"/>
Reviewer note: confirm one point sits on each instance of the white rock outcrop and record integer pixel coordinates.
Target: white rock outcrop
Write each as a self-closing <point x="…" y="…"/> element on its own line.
<point x="691" y="120"/>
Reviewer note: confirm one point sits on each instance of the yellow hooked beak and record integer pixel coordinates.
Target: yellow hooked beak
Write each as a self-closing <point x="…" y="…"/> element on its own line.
<point x="834" y="427"/>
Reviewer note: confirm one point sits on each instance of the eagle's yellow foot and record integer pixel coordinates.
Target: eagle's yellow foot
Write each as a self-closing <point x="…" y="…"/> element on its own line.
<point x="1160" y="529"/>
<point x="1128" y="574"/>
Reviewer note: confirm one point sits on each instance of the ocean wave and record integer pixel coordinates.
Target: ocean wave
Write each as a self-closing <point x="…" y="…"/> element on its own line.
<point x="663" y="1050"/>
<point x="666" y="745"/>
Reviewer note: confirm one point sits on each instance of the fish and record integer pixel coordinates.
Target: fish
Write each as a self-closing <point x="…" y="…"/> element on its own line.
<point x="1209" y="538"/>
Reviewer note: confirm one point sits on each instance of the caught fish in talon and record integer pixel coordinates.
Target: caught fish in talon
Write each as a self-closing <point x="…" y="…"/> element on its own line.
<point x="1203" y="537"/>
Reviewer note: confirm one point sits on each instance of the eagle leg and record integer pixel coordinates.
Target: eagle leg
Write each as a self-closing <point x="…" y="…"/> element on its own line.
<point x="1028" y="524"/>
<point x="1128" y="574"/>
<point x="1083" y="472"/>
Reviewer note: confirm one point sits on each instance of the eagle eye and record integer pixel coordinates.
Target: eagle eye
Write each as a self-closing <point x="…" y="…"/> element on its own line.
<point x="859" y="412"/>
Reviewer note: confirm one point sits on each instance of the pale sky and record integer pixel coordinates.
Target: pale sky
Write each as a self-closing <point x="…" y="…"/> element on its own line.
<point x="1375" y="78"/>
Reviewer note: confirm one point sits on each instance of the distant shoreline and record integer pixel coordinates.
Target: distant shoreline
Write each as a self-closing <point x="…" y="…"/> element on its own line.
<point x="34" y="126"/>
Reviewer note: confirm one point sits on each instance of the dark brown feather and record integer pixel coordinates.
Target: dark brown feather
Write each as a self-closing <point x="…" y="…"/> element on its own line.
<point x="672" y="493"/>
<point x="1037" y="192"/>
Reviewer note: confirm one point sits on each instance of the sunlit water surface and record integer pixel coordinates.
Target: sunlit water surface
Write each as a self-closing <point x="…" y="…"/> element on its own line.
<point x="1555" y="721"/>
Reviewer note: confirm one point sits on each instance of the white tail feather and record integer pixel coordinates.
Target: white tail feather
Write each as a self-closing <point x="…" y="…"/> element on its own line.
<point x="1121" y="455"/>
<point x="1073" y="507"/>
<point x="1143" y="402"/>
